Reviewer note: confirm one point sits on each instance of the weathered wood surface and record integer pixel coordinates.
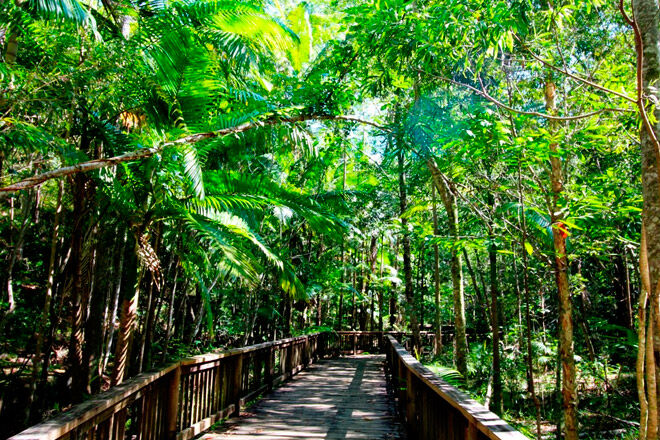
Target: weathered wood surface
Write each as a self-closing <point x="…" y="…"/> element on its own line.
<point x="185" y="398"/>
<point x="433" y="409"/>
<point x="334" y="399"/>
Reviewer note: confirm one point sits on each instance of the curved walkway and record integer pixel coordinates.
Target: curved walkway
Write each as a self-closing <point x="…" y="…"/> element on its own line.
<point x="343" y="398"/>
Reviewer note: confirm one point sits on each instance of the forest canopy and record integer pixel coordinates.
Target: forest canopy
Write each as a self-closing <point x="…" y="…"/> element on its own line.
<point x="180" y="176"/>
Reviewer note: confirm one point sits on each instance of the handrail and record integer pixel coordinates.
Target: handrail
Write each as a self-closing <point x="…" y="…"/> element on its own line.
<point x="185" y="398"/>
<point x="354" y="341"/>
<point x="433" y="409"/>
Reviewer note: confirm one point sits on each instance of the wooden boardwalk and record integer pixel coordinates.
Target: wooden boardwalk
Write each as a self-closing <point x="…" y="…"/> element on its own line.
<point x="343" y="398"/>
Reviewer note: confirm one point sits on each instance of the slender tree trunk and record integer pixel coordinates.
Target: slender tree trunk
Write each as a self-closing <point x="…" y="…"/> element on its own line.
<point x="629" y="302"/>
<point x="109" y="301"/>
<point x="127" y="321"/>
<point x="288" y="314"/>
<point x="496" y="404"/>
<point x="449" y="200"/>
<point x="394" y="289"/>
<point x="16" y="255"/>
<point x="422" y="286"/>
<point x="93" y="349"/>
<point x="144" y="362"/>
<point x="407" y="261"/>
<point x="381" y="293"/>
<point x="38" y="360"/>
<point x="528" y="316"/>
<point x="119" y="274"/>
<point x="373" y="256"/>
<point x="481" y="301"/>
<point x="437" y="321"/>
<point x="641" y="339"/>
<point x="340" y="321"/>
<point x="170" y="316"/>
<point x="81" y="251"/>
<point x="559" y="234"/>
<point x="646" y="17"/>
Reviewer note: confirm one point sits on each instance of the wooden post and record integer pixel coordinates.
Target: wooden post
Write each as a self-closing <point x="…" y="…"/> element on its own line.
<point x="354" y="344"/>
<point x="306" y="352"/>
<point x="259" y="363"/>
<point x="172" y="409"/>
<point x="268" y="369"/>
<point x="288" y="365"/>
<point x="411" y="410"/>
<point x="471" y="432"/>
<point x="236" y="384"/>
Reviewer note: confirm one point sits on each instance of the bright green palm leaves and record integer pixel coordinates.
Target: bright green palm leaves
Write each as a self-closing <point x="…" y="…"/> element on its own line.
<point x="237" y="206"/>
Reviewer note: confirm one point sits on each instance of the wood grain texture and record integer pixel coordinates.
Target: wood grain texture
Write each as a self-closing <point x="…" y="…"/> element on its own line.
<point x="334" y="399"/>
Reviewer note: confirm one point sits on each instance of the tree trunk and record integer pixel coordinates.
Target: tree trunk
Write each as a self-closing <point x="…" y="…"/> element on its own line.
<point x="81" y="255"/>
<point x="559" y="234"/>
<point x="482" y="304"/>
<point x="145" y="355"/>
<point x="38" y="360"/>
<point x="373" y="256"/>
<point x="647" y="29"/>
<point x="449" y="200"/>
<point x="531" y="389"/>
<point x="119" y="274"/>
<point x="127" y="319"/>
<point x="496" y="403"/>
<point x="381" y="293"/>
<point x="394" y="289"/>
<point x="407" y="261"/>
<point x="437" y="317"/>
<point x="422" y="286"/>
<point x="16" y="255"/>
<point x="93" y="349"/>
<point x="170" y="316"/>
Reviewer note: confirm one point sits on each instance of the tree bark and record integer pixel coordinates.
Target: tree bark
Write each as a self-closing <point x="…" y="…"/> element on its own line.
<point x="531" y="389"/>
<point x="37" y="360"/>
<point x="119" y="275"/>
<point x="449" y="201"/>
<point x="481" y="296"/>
<point x="144" y="153"/>
<point x="373" y="256"/>
<point x="170" y="317"/>
<point x="496" y="404"/>
<point x="437" y="317"/>
<point x="559" y="234"/>
<point x="646" y="24"/>
<point x="16" y="255"/>
<point x="127" y="320"/>
<point x="81" y="250"/>
<point x="407" y="260"/>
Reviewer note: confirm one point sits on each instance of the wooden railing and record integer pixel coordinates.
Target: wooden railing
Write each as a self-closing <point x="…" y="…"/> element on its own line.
<point x="433" y="409"/>
<point x="355" y="342"/>
<point x="185" y="398"/>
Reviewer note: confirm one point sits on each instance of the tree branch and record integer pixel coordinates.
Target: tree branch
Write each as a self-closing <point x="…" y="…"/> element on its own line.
<point x="484" y="94"/>
<point x="579" y="78"/>
<point x="144" y="153"/>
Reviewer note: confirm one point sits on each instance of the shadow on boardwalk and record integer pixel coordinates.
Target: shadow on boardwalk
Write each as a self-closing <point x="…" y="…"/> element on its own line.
<point x="343" y="398"/>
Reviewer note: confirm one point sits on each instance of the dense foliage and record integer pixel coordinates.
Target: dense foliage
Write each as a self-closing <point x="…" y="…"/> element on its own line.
<point x="180" y="176"/>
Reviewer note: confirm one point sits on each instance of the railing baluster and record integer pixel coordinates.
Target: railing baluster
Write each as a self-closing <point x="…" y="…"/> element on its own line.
<point x="433" y="409"/>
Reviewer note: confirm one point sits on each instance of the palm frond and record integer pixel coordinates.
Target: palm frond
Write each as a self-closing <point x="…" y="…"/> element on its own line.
<point x="239" y="261"/>
<point x="193" y="170"/>
<point x="449" y="375"/>
<point x="68" y="10"/>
